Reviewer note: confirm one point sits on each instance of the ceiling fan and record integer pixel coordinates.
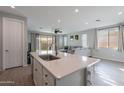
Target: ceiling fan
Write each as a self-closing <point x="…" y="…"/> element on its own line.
<point x="57" y="30"/>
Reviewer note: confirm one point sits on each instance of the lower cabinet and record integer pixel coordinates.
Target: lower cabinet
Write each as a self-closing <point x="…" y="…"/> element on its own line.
<point x="48" y="79"/>
<point x="42" y="77"/>
<point x="37" y="73"/>
<point x="90" y="75"/>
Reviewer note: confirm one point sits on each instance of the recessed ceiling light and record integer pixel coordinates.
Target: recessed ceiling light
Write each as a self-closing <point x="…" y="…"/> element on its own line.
<point x="86" y="23"/>
<point x="59" y="21"/>
<point x="120" y="13"/>
<point x="76" y="10"/>
<point x="12" y="6"/>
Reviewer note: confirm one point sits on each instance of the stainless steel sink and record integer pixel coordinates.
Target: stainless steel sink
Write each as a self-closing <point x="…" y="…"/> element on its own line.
<point x="48" y="57"/>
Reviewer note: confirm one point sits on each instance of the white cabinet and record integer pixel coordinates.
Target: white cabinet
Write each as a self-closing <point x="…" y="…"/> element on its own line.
<point x="74" y="79"/>
<point x="48" y="79"/>
<point x="37" y="73"/>
<point x="42" y="77"/>
<point x="90" y="74"/>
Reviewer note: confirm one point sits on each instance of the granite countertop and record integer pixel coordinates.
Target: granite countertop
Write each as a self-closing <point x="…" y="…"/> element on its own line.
<point x="67" y="64"/>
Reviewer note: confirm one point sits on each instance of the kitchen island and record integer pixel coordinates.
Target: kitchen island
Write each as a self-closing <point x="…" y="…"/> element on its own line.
<point x="68" y="70"/>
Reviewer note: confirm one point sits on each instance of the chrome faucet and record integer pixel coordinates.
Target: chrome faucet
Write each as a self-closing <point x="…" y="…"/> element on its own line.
<point x="56" y="47"/>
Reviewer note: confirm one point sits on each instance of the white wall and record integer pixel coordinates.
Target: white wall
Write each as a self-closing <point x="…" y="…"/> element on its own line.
<point x="29" y="37"/>
<point x="60" y="41"/>
<point x="108" y="54"/>
<point x="74" y="42"/>
<point x="0" y="43"/>
<point x="90" y="36"/>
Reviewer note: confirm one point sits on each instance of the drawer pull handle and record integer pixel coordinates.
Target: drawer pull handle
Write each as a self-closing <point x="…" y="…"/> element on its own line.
<point x="35" y="69"/>
<point x="88" y="72"/>
<point x="46" y="75"/>
<point x="46" y="83"/>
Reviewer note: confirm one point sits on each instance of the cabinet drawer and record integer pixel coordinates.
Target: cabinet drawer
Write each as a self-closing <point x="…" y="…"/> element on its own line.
<point x="48" y="82"/>
<point x="48" y="78"/>
<point x="38" y="66"/>
<point x="38" y="78"/>
<point x="37" y="73"/>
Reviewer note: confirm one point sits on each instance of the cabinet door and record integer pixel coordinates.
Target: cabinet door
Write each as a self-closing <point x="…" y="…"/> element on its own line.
<point x="37" y="73"/>
<point x="74" y="79"/>
<point x="90" y="75"/>
<point x="48" y="79"/>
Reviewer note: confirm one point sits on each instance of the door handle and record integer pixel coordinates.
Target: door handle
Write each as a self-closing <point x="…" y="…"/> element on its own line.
<point x="6" y="50"/>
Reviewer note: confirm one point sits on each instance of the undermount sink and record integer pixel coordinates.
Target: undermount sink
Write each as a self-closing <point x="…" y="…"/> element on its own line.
<point x="48" y="57"/>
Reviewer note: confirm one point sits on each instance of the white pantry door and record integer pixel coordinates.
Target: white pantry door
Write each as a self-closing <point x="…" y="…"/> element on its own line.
<point x="12" y="43"/>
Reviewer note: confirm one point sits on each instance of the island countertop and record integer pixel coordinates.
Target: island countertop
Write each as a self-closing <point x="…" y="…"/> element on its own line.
<point x="67" y="64"/>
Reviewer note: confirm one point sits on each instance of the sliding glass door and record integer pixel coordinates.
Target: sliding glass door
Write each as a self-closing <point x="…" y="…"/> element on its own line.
<point x="46" y="44"/>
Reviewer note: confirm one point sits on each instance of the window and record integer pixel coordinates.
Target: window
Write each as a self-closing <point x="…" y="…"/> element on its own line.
<point x="113" y="38"/>
<point x="45" y="44"/>
<point x="102" y="37"/>
<point x="84" y="40"/>
<point x="108" y="38"/>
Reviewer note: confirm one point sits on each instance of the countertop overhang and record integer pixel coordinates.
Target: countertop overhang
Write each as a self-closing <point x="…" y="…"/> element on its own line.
<point x="67" y="64"/>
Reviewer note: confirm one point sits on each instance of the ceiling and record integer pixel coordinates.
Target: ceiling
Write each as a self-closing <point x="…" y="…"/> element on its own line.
<point x="45" y="18"/>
